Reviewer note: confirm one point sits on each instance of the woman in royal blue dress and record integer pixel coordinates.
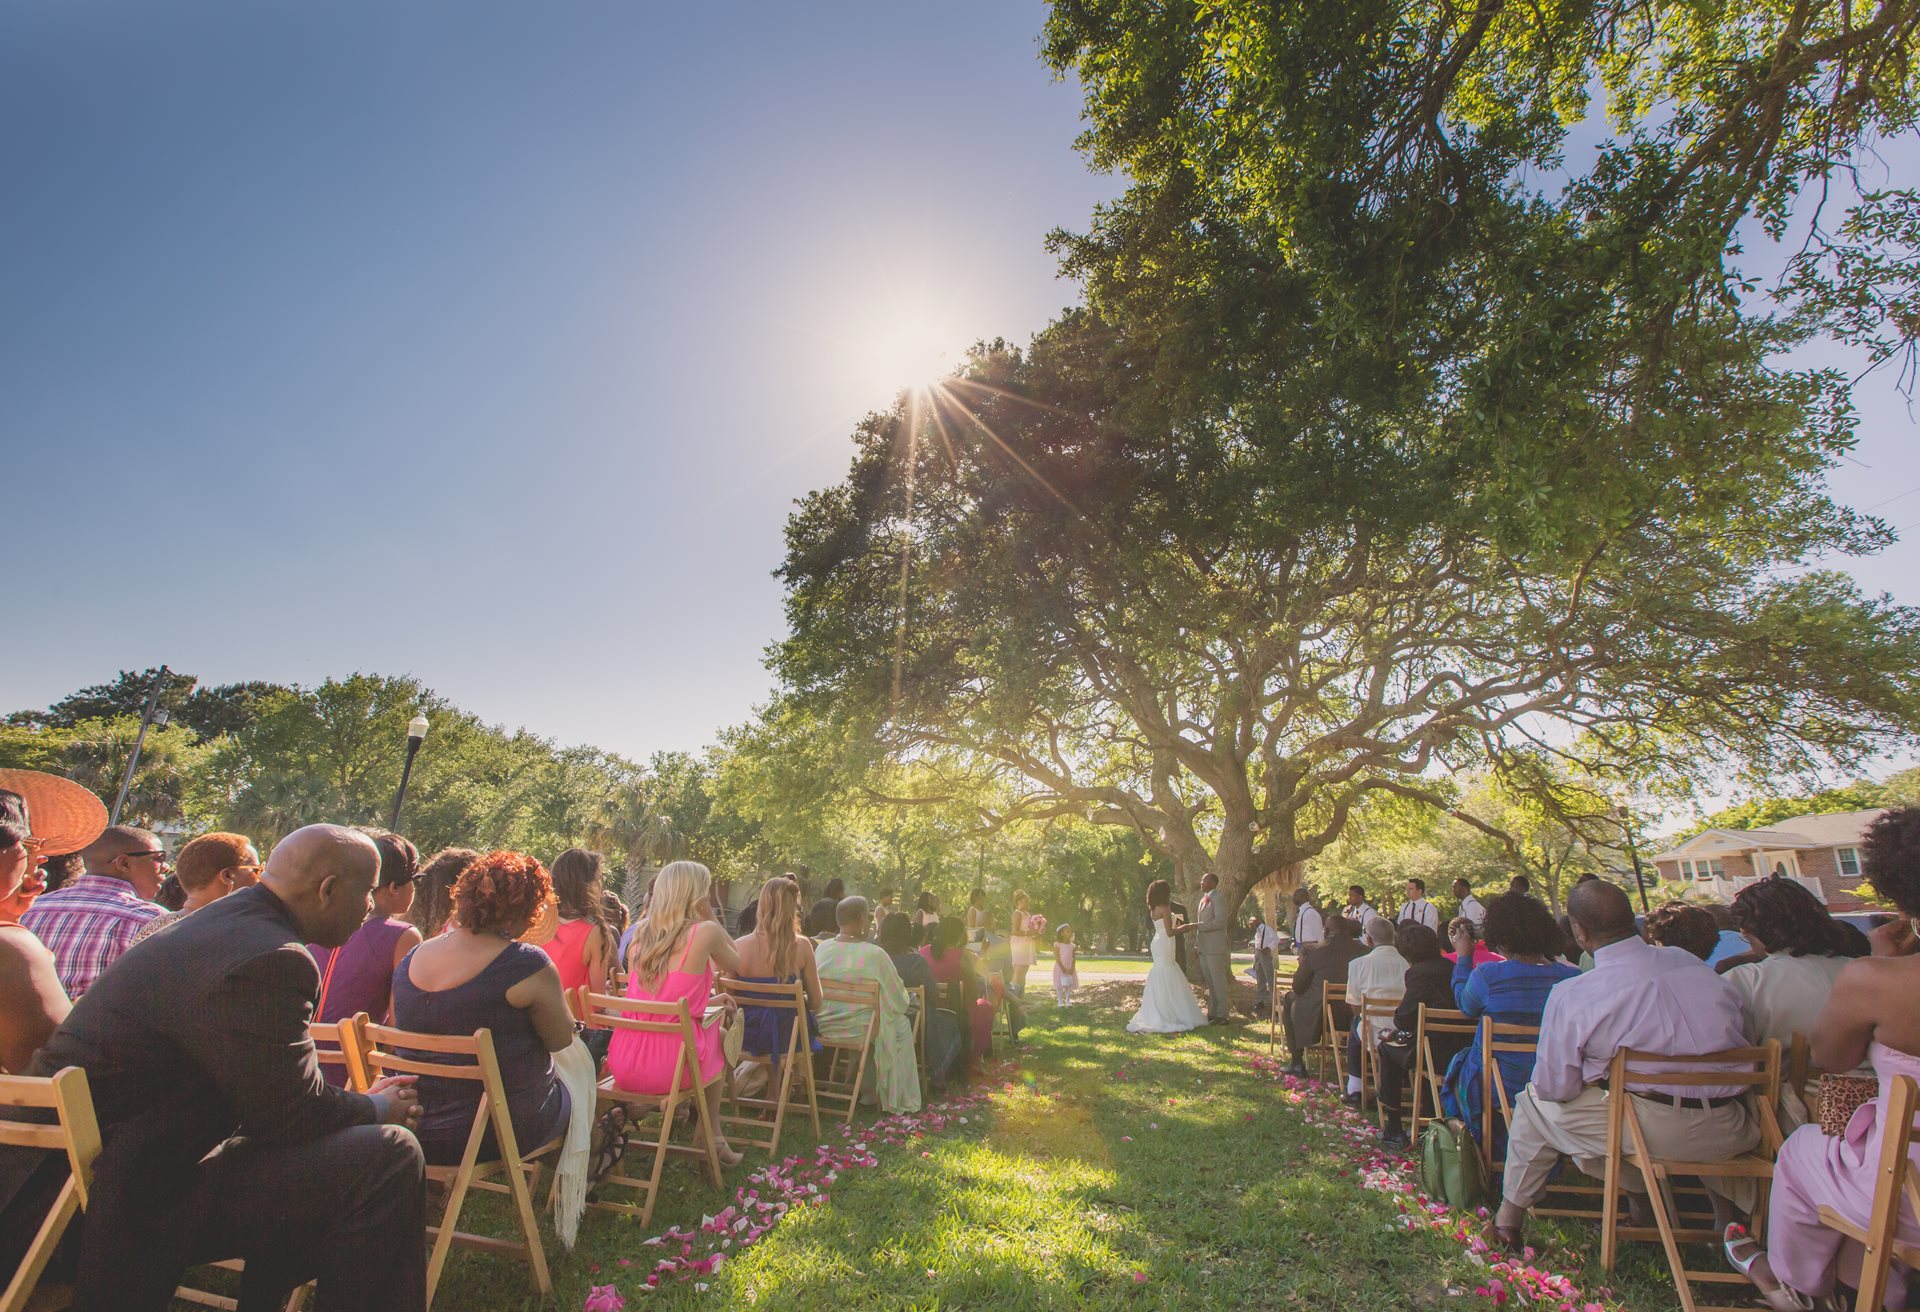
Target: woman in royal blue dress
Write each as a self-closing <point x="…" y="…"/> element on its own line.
<point x="1512" y="991"/>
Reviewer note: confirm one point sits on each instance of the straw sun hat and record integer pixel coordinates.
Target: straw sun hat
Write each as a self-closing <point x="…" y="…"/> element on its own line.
<point x="65" y="816"/>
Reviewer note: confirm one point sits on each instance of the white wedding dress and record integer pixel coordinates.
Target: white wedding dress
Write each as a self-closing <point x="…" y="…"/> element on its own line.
<point x="1166" y="1005"/>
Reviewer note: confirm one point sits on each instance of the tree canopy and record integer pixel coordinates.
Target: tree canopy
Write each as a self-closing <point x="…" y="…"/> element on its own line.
<point x="1388" y="446"/>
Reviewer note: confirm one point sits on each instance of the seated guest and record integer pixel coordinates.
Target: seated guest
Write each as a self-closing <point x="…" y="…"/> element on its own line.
<point x="1783" y="993"/>
<point x="433" y="888"/>
<point x="1480" y="954"/>
<point x="1869" y="1018"/>
<point x="358" y="976"/>
<point x="821" y="921"/>
<point x="675" y="952"/>
<point x="32" y="1003"/>
<point x="775" y="952"/>
<point x="950" y="964"/>
<point x="91" y="921"/>
<point x="1380" y="976"/>
<point x="1729" y="942"/>
<point x="942" y="1024"/>
<point x="1428" y="982"/>
<point x="848" y="958"/>
<point x="477" y="975"/>
<point x="1511" y="989"/>
<point x="1682" y="925"/>
<point x="58" y="871"/>
<point x="1638" y="995"/>
<point x="1303" y="1010"/>
<point x="582" y="946"/>
<point x="220" y="1138"/>
<point x="210" y="867"/>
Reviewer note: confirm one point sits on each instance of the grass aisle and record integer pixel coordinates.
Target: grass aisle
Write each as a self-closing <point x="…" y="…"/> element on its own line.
<point x="1106" y="1171"/>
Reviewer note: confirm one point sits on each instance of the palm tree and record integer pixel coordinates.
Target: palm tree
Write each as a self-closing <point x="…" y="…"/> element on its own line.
<point x="628" y="825"/>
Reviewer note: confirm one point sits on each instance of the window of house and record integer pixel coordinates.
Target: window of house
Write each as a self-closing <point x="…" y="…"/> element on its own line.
<point x="1849" y="861"/>
<point x="1718" y="869"/>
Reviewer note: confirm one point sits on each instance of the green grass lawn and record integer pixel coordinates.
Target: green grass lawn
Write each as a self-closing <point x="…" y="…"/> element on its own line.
<point x="1104" y="1171"/>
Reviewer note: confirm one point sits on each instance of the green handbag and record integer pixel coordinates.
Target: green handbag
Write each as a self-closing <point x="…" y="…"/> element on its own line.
<point x="1451" y="1168"/>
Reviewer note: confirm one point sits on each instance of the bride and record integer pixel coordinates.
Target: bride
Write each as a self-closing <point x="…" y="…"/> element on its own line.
<point x="1167" y="1005"/>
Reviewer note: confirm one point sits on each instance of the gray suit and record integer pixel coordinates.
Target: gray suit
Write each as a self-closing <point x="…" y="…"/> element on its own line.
<point x="1214" y="949"/>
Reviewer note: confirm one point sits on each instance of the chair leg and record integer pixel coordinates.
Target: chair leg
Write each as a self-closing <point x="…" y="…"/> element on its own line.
<point x="522" y="1190"/>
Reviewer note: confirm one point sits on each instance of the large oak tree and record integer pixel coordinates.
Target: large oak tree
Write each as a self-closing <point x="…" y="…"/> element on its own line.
<point x="1387" y="446"/>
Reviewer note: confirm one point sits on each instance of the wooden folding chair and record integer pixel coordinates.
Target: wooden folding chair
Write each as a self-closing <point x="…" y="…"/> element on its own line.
<point x="1428" y="1074"/>
<point x="1564" y="1198"/>
<point x="1282" y="987"/>
<point x="1332" y="1048"/>
<point x="1368" y="1016"/>
<point x="380" y="1051"/>
<point x="922" y="1014"/>
<point x="74" y="1131"/>
<point x="841" y="1084"/>
<point x="673" y="1020"/>
<point x="1003" y="1010"/>
<point x="1896" y="1185"/>
<point x="1759" y="1077"/>
<point x="785" y="1071"/>
<point x="333" y="1045"/>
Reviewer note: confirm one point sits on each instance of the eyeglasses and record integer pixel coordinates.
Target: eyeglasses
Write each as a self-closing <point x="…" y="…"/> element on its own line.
<point x="158" y="854"/>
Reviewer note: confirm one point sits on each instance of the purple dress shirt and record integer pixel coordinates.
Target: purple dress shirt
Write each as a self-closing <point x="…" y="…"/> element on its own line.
<point x="1654" y="999"/>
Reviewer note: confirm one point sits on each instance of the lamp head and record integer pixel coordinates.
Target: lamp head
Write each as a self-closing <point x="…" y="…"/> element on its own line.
<point x="417" y="727"/>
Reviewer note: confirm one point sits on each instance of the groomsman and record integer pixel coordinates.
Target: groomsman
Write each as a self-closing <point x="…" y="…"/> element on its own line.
<point x="1417" y="909"/>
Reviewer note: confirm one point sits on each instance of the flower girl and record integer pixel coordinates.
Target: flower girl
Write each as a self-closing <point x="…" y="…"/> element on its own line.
<point x="1065" y="978"/>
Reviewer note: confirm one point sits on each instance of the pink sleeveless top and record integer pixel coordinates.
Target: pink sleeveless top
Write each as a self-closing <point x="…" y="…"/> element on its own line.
<point x="645" y="1063"/>
<point x="568" y="948"/>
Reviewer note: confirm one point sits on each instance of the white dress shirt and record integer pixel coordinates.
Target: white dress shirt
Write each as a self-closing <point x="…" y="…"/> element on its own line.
<point x="1380" y="976"/>
<point x="1308" y="926"/>
<point x="1475" y="910"/>
<point x="1266" y="938"/>
<point x="1654" y="999"/>
<point x="1421" y="912"/>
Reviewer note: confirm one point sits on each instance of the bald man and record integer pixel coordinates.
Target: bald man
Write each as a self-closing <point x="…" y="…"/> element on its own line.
<point x="1639" y="996"/>
<point x="221" y="1138"/>
<point x="90" y="923"/>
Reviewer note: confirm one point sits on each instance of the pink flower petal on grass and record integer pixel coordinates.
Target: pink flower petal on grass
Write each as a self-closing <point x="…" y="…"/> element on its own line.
<point x="604" y="1298"/>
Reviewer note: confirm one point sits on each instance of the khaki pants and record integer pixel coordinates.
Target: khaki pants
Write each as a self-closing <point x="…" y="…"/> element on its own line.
<point x="1545" y="1131"/>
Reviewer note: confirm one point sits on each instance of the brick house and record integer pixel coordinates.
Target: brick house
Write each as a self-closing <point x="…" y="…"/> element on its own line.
<point x="1820" y="851"/>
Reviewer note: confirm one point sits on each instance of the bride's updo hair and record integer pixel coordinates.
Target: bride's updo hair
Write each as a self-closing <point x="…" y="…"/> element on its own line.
<point x="1159" y="894"/>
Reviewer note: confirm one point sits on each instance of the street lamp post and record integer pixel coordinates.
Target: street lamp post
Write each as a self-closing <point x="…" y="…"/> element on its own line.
<point x="150" y="716"/>
<point x="416" y="734"/>
<point x="1633" y="851"/>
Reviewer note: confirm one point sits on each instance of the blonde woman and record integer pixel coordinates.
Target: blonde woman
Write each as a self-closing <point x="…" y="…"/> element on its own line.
<point x="776" y="953"/>
<point x="674" y="953"/>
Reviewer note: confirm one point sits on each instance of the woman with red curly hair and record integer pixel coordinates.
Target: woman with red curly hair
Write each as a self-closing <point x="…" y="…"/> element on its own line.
<point x="477" y="975"/>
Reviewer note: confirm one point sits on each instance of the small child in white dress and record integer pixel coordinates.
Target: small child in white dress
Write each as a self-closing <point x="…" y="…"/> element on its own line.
<point x="1065" y="980"/>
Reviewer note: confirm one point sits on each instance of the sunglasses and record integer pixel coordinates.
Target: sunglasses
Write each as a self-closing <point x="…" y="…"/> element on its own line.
<point x="150" y="854"/>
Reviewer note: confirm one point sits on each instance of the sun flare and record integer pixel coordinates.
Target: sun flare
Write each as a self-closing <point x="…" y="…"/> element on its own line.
<point x="905" y="347"/>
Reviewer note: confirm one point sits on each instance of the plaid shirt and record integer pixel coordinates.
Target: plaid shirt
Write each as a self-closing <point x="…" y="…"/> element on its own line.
<point x="87" y="925"/>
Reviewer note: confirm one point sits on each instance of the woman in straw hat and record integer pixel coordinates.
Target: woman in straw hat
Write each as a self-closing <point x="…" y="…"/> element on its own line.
<point x="39" y="813"/>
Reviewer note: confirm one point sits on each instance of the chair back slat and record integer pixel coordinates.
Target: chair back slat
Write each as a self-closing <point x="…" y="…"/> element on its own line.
<point x="780" y="997"/>
<point x="1749" y="1068"/>
<point x="608" y="1011"/>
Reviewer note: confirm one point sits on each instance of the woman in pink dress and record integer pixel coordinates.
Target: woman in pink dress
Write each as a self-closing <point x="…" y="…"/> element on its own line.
<point x="1869" y="1016"/>
<point x="674" y="952"/>
<point x="582" y="946"/>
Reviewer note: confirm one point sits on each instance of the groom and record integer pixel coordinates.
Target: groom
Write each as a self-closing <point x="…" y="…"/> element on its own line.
<point x="1210" y="939"/>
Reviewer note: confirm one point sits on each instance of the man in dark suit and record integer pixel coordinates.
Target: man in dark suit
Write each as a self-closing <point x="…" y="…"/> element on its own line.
<point x="1304" y="1015"/>
<point x="220" y="1138"/>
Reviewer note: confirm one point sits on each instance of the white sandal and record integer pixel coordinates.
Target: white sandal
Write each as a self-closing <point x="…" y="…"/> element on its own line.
<point x="1780" y="1297"/>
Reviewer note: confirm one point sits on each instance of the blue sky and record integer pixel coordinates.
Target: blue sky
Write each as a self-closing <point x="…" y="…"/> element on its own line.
<point x="492" y="342"/>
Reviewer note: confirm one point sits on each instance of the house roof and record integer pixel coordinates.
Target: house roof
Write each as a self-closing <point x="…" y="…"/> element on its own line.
<point x="1835" y="829"/>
